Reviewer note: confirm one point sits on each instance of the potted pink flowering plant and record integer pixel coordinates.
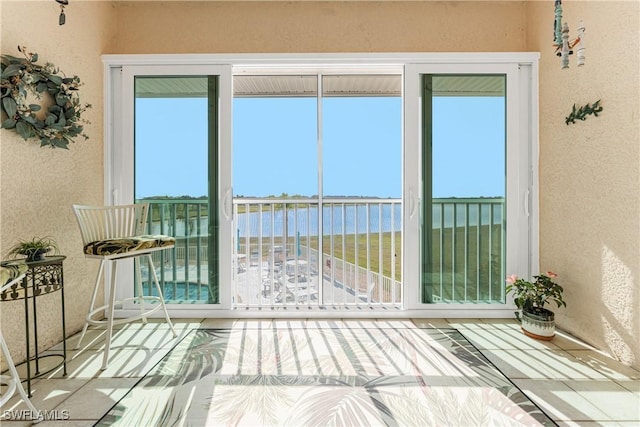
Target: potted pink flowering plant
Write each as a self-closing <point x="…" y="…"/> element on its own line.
<point x="531" y="297"/>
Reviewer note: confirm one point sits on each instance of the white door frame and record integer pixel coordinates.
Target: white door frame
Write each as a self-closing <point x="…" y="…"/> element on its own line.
<point x="521" y="213"/>
<point x="119" y="167"/>
<point x="523" y="261"/>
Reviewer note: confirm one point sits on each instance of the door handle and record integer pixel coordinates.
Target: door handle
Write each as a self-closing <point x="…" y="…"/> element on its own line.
<point x="412" y="203"/>
<point x="226" y="208"/>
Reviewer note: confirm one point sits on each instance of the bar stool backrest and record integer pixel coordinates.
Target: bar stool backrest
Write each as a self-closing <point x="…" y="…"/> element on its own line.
<point x="111" y="222"/>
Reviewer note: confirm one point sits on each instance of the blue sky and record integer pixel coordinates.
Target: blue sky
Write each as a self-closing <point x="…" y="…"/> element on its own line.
<point x="275" y="146"/>
<point x="275" y="150"/>
<point x="468" y="147"/>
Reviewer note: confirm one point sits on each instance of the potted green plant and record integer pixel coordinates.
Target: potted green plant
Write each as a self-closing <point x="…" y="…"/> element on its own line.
<point x="531" y="297"/>
<point x="34" y="249"/>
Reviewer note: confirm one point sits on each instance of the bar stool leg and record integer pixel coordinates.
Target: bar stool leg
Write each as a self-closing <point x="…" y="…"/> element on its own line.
<point x="139" y="288"/>
<point x="164" y="307"/>
<point x="93" y="302"/>
<point x="112" y="303"/>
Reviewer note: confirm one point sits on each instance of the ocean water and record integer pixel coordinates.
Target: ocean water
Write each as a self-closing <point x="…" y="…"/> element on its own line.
<point x="343" y="219"/>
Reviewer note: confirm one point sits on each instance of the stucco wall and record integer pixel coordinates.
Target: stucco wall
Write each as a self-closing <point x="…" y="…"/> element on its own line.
<point x="39" y="185"/>
<point x="283" y="27"/>
<point x="590" y="173"/>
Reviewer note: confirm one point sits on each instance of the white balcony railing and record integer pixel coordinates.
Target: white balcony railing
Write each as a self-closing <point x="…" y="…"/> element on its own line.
<point x="278" y="241"/>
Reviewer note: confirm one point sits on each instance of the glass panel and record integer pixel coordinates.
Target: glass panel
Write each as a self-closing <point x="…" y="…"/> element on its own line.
<point x="174" y="136"/>
<point x="296" y="178"/>
<point x="275" y="182"/>
<point x="362" y="170"/>
<point x="464" y="171"/>
<point x="274" y="145"/>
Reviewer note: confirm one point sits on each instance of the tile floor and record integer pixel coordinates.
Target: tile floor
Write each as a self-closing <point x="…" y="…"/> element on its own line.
<point x="574" y="384"/>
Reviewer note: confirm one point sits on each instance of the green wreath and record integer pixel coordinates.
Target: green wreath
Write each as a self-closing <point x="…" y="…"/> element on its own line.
<point x="55" y="126"/>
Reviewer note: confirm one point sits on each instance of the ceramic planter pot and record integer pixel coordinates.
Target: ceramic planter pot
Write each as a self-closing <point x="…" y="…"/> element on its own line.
<point x="38" y="255"/>
<point x="539" y="325"/>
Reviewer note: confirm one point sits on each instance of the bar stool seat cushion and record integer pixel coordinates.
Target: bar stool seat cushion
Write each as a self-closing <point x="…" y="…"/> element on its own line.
<point x="128" y="244"/>
<point x="11" y="270"/>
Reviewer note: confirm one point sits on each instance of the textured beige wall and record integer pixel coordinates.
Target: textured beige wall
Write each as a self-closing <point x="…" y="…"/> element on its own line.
<point x="39" y="185"/>
<point x="590" y="173"/>
<point x="283" y="27"/>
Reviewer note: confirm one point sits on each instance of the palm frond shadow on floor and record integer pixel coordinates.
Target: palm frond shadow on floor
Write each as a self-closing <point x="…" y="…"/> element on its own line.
<point x="318" y="377"/>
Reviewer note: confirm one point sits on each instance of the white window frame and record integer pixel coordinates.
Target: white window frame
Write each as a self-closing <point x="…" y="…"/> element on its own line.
<point x="522" y="258"/>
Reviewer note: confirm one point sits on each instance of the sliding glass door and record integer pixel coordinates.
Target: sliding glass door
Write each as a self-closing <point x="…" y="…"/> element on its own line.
<point x="387" y="183"/>
<point x="468" y="183"/>
<point x="362" y="183"/>
<point x="463" y="182"/>
<point x="175" y="164"/>
<point x="275" y="180"/>
<point x="317" y="182"/>
<point x="174" y="157"/>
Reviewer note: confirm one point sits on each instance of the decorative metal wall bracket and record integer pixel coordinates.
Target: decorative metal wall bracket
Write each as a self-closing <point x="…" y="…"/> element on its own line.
<point x="582" y="112"/>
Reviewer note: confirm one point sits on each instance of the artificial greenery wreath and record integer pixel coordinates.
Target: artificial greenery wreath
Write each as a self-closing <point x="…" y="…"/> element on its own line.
<point x="54" y="126"/>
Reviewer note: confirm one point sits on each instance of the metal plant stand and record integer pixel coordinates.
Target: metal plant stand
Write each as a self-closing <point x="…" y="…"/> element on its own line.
<point x="43" y="277"/>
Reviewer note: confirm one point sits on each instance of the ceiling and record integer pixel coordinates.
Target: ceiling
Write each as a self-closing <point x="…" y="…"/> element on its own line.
<point x="302" y="85"/>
